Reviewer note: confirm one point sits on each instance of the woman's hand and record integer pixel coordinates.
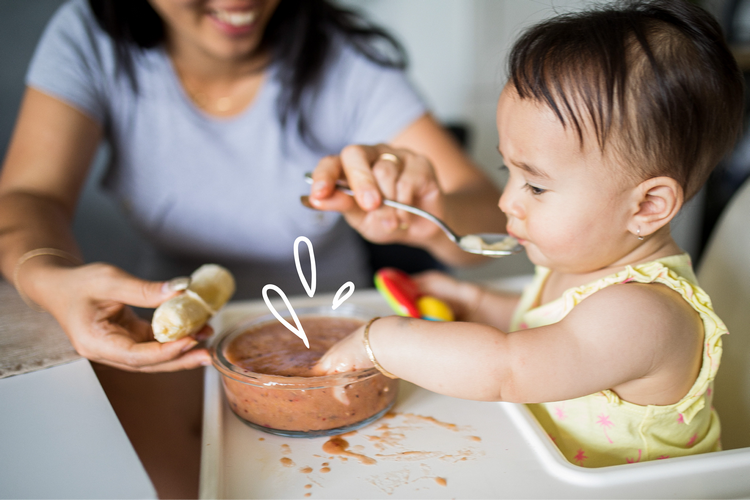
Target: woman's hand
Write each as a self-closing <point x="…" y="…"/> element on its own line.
<point x="431" y="172"/>
<point x="91" y="303"/>
<point x="347" y="355"/>
<point x="375" y="173"/>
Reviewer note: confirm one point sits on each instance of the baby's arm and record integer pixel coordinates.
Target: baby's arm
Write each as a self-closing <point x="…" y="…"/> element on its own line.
<point x="469" y="301"/>
<point x="642" y="341"/>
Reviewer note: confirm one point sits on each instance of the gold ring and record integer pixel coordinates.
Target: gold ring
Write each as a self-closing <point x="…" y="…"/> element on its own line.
<point x="390" y="157"/>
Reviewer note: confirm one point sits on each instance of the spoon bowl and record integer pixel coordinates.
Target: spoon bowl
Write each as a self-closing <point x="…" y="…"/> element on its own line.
<point x="487" y="244"/>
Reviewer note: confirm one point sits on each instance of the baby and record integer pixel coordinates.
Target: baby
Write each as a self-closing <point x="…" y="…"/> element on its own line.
<point x="610" y="121"/>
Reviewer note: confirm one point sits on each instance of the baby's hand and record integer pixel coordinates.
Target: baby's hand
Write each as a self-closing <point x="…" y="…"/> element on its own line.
<point x="347" y="355"/>
<point x="461" y="296"/>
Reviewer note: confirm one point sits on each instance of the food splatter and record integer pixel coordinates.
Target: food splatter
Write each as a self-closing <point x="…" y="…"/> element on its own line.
<point x="339" y="446"/>
<point x="391" y="441"/>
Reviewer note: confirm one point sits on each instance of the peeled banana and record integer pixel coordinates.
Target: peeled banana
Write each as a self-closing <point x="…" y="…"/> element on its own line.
<point x="211" y="286"/>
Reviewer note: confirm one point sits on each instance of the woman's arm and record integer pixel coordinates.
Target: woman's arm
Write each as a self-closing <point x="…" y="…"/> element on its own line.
<point x="433" y="173"/>
<point x="41" y="180"/>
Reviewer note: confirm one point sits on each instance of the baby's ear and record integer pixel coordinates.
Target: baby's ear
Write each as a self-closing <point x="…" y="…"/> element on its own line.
<point x="659" y="199"/>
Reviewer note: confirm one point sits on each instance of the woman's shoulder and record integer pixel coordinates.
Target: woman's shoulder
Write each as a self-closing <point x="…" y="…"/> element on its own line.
<point x="77" y="20"/>
<point x="75" y="59"/>
<point x="73" y="33"/>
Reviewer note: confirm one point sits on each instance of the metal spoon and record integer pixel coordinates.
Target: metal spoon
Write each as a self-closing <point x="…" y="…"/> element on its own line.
<point x="489" y="244"/>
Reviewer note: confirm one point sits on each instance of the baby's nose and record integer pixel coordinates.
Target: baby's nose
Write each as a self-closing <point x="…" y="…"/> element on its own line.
<point x="509" y="205"/>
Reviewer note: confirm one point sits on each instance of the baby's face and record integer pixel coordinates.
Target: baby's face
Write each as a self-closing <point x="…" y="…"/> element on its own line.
<point x="563" y="202"/>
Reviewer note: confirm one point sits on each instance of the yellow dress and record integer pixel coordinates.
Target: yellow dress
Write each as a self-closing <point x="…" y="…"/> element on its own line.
<point x="601" y="429"/>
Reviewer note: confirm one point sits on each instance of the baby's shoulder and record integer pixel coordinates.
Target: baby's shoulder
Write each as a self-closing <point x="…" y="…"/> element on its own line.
<point x="652" y="312"/>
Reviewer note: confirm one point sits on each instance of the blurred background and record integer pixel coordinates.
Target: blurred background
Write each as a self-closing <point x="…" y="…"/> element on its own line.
<point x="457" y="51"/>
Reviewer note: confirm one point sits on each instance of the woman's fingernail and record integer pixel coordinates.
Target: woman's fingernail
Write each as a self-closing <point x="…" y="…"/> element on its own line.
<point x="189" y="345"/>
<point x="305" y="200"/>
<point x="318" y="186"/>
<point x="204" y="335"/>
<point x="176" y="284"/>
<point x="369" y="198"/>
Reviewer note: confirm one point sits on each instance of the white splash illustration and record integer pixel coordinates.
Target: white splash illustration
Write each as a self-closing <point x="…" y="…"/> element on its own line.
<point x="343" y="293"/>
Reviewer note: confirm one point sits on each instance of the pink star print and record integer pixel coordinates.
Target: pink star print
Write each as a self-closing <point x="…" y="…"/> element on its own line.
<point x="692" y="441"/>
<point x="605" y="422"/>
<point x="681" y="419"/>
<point x="580" y="457"/>
<point x="631" y="460"/>
<point x="560" y="413"/>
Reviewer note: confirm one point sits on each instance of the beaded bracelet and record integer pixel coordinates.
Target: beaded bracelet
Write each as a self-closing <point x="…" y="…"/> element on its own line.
<point x="366" y="342"/>
<point x="38" y="253"/>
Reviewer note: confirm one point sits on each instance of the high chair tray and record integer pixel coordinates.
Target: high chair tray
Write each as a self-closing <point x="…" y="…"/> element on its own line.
<point x="432" y="446"/>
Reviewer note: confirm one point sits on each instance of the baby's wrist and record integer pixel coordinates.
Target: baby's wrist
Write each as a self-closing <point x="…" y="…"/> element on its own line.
<point x="368" y="349"/>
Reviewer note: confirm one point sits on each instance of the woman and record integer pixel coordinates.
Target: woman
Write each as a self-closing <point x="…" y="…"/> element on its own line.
<point x="214" y="110"/>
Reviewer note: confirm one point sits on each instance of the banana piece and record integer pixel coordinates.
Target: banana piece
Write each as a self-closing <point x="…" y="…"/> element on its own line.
<point x="210" y="288"/>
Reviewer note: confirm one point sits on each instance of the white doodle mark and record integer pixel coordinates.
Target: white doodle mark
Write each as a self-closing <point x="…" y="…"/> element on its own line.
<point x="342" y="295"/>
<point x="298" y="331"/>
<point x="310" y="289"/>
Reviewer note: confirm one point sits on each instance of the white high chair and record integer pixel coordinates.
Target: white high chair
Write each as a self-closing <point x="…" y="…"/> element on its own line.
<point x="724" y="274"/>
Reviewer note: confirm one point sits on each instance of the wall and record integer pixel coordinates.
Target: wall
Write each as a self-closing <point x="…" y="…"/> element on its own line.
<point x="457" y="50"/>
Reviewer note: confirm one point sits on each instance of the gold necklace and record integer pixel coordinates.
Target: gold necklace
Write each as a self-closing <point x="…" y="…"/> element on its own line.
<point x="201" y="99"/>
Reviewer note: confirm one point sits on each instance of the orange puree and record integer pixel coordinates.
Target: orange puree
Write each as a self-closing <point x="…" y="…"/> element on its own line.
<point x="268" y="350"/>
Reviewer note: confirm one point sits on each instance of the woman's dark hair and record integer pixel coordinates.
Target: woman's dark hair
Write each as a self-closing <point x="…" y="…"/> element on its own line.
<point x="299" y="35"/>
<point x="655" y="80"/>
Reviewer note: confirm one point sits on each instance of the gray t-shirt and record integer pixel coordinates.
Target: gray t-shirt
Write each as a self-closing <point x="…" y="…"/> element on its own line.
<point x="223" y="190"/>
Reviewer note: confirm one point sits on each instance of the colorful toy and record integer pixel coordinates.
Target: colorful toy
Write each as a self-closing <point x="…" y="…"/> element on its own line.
<point x="404" y="297"/>
<point x="434" y="309"/>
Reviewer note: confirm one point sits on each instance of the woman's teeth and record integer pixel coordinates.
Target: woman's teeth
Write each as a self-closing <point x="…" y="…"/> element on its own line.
<point x="236" y="18"/>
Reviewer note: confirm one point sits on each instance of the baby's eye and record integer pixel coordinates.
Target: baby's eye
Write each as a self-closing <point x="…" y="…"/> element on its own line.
<point x="533" y="189"/>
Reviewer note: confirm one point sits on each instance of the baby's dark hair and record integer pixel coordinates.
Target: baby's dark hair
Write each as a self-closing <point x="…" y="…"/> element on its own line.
<point x="655" y="80"/>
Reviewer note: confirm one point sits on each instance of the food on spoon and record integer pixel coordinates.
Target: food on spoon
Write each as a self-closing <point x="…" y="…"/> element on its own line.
<point x="476" y="243"/>
<point x="211" y="286"/>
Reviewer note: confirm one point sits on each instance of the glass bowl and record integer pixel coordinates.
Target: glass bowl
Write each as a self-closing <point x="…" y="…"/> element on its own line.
<point x="299" y="406"/>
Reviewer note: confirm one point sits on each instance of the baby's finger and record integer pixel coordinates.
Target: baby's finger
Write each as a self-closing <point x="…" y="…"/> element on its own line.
<point x="435" y="283"/>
